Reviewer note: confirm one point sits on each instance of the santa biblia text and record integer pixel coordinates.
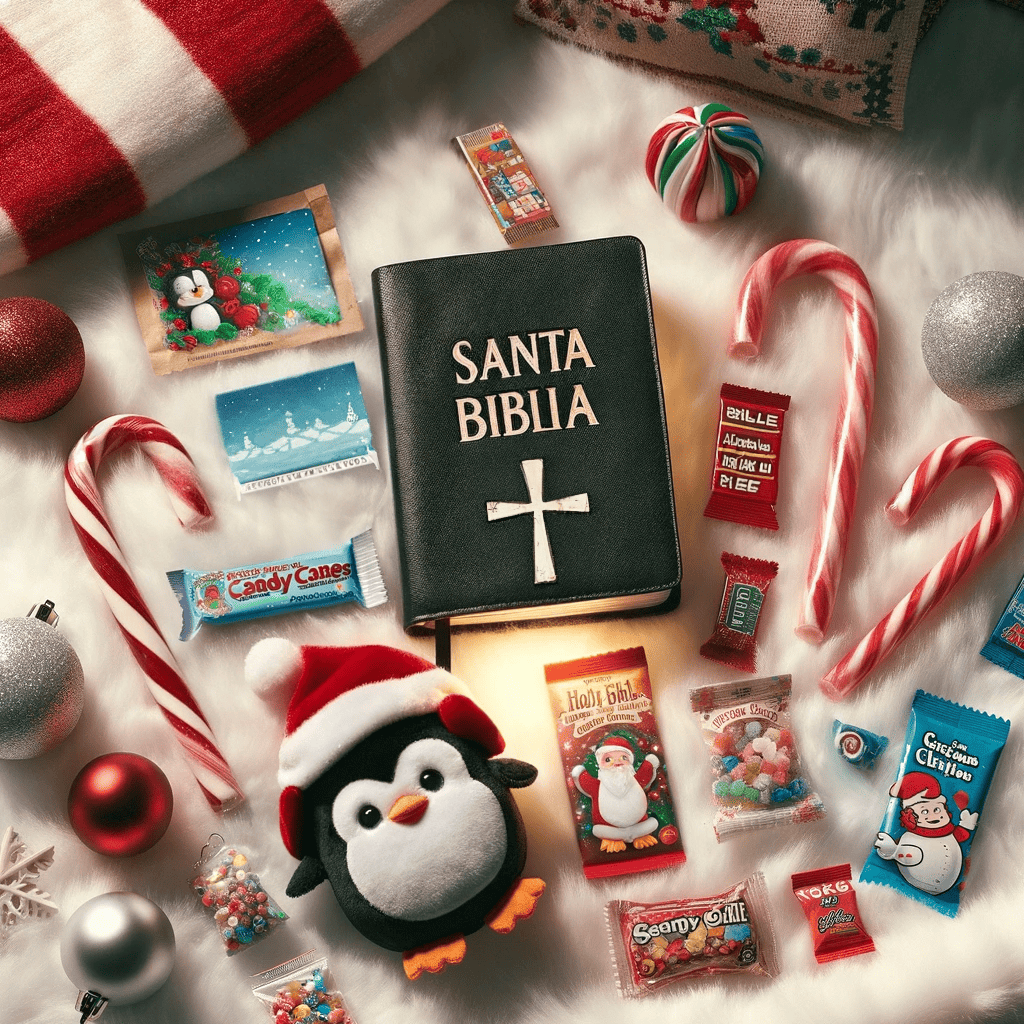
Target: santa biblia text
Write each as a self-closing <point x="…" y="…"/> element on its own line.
<point x="508" y="413"/>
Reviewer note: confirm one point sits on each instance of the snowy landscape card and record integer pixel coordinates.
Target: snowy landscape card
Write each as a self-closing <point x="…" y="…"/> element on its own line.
<point x="295" y="428"/>
<point x="231" y="284"/>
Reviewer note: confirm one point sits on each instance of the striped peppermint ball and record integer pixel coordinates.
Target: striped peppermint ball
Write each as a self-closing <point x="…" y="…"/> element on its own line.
<point x="705" y="162"/>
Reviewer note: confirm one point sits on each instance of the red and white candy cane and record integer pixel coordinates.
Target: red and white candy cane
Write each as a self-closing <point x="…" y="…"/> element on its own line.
<point x="930" y="591"/>
<point x="793" y="259"/>
<point x="133" y="617"/>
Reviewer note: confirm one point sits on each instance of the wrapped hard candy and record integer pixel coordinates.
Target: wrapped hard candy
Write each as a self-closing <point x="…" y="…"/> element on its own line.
<point x="705" y="162"/>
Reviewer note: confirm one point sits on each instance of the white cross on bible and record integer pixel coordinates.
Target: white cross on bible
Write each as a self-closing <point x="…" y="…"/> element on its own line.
<point x="533" y="471"/>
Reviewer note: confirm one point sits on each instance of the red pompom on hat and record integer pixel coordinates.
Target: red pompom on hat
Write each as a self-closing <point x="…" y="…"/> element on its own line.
<point x="914" y="787"/>
<point x="344" y="694"/>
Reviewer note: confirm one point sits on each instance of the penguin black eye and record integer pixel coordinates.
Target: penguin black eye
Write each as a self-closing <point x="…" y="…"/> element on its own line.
<point x="431" y="779"/>
<point x="368" y="816"/>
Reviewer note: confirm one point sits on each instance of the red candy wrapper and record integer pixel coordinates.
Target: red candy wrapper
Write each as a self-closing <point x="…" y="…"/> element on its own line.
<point x="746" y="584"/>
<point x="830" y="903"/>
<point x="745" y="482"/>
<point x="611" y="755"/>
<point x="659" y="944"/>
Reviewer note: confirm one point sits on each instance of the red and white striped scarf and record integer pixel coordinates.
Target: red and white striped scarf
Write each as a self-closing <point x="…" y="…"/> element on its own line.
<point x="109" y="107"/>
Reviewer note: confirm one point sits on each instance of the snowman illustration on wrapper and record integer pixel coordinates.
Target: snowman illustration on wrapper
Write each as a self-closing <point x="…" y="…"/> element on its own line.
<point x="928" y="853"/>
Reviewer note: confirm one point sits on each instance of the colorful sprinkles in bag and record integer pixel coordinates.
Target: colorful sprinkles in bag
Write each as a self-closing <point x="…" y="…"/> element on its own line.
<point x="733" y="642"/>
<point x="829" y="901"/>
<point x="745" y="480"/>
<point x="301" y="990"/>
<point x="757" y="778"/>
<point x="658" y="944"/>
<point x="611" y="756"/>
<point x="235" y="898"/>
<point x="924" y="843"/>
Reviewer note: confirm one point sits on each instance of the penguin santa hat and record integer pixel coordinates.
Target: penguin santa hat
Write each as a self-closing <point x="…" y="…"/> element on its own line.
<point x="391" y="790"/>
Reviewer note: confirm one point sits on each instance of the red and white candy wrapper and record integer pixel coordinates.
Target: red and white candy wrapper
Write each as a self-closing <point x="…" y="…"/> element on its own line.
<point x="829" y="902"/>
<point x="745" y="480"/>
<point x="734" y="641"/>
<point x="130" y="611"/>
<point x="757" y="778"/>
<point x="654" y="945"/>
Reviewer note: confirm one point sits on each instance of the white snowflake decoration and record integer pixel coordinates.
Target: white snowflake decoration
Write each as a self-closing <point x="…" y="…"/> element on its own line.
<point x="20" y="897"/>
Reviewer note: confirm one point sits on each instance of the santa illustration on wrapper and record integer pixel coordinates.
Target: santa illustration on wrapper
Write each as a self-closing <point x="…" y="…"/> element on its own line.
<point x="618" y="795"/>
<point x="928" y="852"/>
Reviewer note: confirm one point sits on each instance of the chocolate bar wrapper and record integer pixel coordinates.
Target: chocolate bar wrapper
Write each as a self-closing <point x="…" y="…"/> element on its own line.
<point x="923" y="845"/>
<point x="315" y="580"/>
<point x="613" y="763"/>
<point x="504" y="179"/>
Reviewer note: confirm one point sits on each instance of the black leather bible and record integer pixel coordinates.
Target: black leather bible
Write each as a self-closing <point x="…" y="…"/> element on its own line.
<point x="526" y="428"/>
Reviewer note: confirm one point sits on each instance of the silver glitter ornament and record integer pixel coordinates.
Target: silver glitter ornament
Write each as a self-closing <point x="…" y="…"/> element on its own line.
<point x="42" y="687"/>
<point x="973" y="340"/>
<point x="117" y="948"/>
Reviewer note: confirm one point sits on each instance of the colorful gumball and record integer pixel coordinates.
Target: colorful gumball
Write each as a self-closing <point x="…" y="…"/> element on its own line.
<point x="705" y="162"/>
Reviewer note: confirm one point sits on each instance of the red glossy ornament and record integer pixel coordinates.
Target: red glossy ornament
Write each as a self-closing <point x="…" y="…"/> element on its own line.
<point x="120" y="804"/>
<point x="42" y="359"/>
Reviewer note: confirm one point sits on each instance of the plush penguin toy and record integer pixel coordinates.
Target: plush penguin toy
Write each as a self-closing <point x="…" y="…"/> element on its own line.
<point x="393" y="792"/>
<point x="190" y="291"/>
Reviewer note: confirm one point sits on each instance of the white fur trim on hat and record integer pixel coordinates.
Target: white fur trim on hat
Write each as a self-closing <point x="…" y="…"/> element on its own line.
<point x="329" y="734"/>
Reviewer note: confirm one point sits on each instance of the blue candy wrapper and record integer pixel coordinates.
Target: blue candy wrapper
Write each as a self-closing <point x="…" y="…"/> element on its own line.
<point x="924" y="844"/>
<point x="349" y="573"/>
<point x="295" y="428"/>
<point x="856" y="745"/>
<point x="1005" y="646"/>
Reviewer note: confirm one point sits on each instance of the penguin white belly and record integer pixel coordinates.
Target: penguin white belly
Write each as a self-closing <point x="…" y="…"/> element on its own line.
<point x="939" y="866"/>
<point x="623" y="809"/>
<point x="418" y="872"/>
<point x="205" y="318"/>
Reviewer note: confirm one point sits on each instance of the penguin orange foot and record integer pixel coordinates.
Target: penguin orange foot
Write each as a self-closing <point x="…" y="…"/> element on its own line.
<point x="435" y="957"/>
<point x="612" y="845"/>
<point x="642" y="841"/>
<point x="518" y="905"/>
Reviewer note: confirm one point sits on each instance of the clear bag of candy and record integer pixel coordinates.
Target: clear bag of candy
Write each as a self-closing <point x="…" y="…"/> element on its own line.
<point x="303" y="990"/>
<point x="757" y="778"/>
<point x="233" y="897"/>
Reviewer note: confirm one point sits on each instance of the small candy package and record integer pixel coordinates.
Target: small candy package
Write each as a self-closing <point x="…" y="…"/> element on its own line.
<point x="349" y="573"/>
<point x="659" y="944"/>
<point x="757" y="778"/>
<point x="234" y="897"/>
<point x="924" y="843"/>
<point x="503" y="178"/>
<point x="746" y="584"/>
<point x="857" y="746"/>
<point x="1005" y="646"/>
<point x="301" y="990"/>
<point x="745" y="480"/>
<point x="610" y="747"/>
<point x="830" y="903"/>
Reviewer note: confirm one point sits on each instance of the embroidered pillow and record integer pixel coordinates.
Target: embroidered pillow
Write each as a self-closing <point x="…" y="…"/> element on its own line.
<point x="847" y="58"/>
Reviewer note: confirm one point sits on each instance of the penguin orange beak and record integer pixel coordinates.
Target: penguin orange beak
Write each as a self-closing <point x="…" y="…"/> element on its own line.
<point x="407" y="810"/>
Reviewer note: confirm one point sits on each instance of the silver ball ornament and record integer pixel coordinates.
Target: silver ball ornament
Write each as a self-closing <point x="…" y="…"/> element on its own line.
<point x="973" y="340"/>
<point x="120" y="946"/>
<point x="42" y="688"/>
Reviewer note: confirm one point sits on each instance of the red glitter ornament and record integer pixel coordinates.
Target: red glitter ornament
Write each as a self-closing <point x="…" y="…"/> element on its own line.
<point x="120" y="804"/>
<point x="42" y="359"/>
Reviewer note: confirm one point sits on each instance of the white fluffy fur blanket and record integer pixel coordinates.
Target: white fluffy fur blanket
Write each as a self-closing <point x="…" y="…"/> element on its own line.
<point x="917" y="211"/>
